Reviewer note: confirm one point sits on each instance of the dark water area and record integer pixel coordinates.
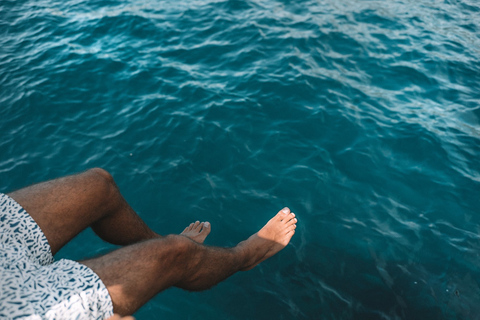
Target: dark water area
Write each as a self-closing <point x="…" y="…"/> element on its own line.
<point x="361" y="116"/>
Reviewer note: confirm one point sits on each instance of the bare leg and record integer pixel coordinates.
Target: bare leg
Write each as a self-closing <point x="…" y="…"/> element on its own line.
<point x="66" y="206"/>
<point x="134" y="274"/>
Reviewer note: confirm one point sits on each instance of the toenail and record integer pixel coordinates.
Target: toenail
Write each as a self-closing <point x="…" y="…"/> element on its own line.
<point x="285" y="210"/>
<point x="207" y="224"/>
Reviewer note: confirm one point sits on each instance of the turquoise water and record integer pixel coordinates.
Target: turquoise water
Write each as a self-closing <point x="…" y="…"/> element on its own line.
<point x="361" y="116"/>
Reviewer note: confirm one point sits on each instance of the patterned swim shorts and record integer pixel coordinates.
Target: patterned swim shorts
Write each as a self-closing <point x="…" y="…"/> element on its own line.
<point x="32" y="285"/>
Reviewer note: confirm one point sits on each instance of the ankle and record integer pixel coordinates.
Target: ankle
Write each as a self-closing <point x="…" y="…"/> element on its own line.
<point x="245" y="256"/>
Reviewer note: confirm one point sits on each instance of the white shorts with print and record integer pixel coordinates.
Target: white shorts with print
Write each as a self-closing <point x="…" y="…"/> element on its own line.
<point x="32" y="285"/>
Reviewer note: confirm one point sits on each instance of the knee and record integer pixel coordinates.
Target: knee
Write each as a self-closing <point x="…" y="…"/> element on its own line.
<point x="101" y="174"/>
<point x="103" y="179"/>
<point x="180" y="244"/>
<point x="178" y="249"/>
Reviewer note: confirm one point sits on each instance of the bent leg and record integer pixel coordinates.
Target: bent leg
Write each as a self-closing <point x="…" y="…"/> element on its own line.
<point x="136" y="273"/>
<point x="66" y="206"/>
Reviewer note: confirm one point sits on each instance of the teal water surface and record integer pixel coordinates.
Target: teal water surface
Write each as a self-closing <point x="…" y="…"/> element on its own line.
<point x="361" y="116"/>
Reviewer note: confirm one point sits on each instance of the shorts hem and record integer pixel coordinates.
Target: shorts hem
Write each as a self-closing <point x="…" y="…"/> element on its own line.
<point x="46" y="256"/>
<point x="110" y="302"/>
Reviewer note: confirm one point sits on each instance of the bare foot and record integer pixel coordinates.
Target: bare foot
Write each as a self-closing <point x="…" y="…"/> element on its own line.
<point x="272" y="238"/>
<point x="197" y="231"/>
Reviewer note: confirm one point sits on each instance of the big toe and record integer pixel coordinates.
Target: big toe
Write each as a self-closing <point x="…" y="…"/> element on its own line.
<point x="282" y="214"/>
<point x="207" y="227"/>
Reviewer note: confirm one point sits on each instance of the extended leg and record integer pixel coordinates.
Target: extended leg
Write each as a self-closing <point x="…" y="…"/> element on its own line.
<point x="134" y="274"/>
<point x="64" y="207"/>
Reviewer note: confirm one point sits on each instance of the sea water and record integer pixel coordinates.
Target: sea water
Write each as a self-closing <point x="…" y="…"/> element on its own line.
<point x="361" y="116"/>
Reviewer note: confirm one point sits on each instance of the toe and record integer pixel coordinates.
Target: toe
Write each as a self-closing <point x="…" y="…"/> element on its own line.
<point x="196" y="225"/>
<point x="290" y="228"/>
<point x="291" y="221"/>
<point x="282" y="213"/>
<point x="207" y="227"/>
